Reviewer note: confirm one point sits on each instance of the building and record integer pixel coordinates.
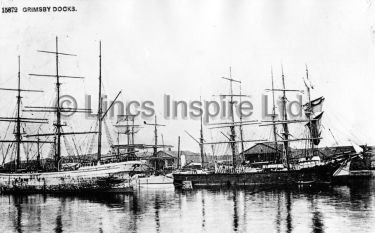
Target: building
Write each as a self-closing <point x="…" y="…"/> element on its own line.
<point x="263" y="153"/>
<point x="168" y="159"/>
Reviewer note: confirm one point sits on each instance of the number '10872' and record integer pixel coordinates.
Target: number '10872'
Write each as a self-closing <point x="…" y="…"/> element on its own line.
<point x="9" y="10"/>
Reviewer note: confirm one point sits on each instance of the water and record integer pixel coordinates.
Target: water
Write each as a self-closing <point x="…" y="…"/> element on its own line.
<point x="336" y="209"/>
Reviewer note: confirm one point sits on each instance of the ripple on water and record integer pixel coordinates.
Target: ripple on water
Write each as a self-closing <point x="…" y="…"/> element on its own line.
<point x="344" y="209"/>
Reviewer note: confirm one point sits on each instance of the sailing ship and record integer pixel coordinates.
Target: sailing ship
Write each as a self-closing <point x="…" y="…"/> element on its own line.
<point x="283" y="172"/>
<point x="157" y="173"/>
<point x="151" y="169"/>
<point x="95" y="177"/>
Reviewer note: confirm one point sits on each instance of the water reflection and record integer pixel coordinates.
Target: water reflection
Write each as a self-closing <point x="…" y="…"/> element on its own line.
<point x="235" y="211"/>
<point x="59" y="225"/>
<point x="343" y="208"/>
<point x="203" y="213"/>
<point x="289" y="226"/>
<point x="278" y="214"/>
<point x="318" y="225"/>
<point x="317" y="216"/>
<point x="17" y="219"/>
<point x="157" y="220"/>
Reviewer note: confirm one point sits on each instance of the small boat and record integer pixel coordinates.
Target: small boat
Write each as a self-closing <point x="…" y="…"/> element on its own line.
<point x="154" y="179"/>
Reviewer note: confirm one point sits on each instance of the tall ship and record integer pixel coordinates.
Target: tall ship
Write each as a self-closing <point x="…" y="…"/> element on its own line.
<point x="54" y="175"/>
<point x="283" y="171"/>
<point x="155" y="169"/>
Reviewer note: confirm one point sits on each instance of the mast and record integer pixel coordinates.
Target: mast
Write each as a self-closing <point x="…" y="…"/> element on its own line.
<point x="201" y="140"/>
<point x="18" y="119"/>
<point x="285" y="118"/>
<point x="155" y="145"/>
<point x="58" y="110"/>
<point x="178" y="153"/>
<point x="38" y="153"/>
<point x="241" y="130"/>
<point x="232" y="129"/>
<point x="156" y="142"/>
<point x="132" y="132"/>
<point x="232" y="124"/>
<point x="156" y="137"/>
<point x="132" y="129"/>
<point x="310" y="110"/>
<point x="100" y="111"/>
<point x="18" y="135"/>
<point x="274" y="115"/>
<point x="129" y="131"/>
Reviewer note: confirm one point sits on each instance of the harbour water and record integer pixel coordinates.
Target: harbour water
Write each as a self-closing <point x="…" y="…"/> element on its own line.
<point x="155" y="209"/>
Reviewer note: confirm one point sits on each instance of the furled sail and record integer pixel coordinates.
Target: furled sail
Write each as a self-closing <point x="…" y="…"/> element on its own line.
<point x="313" y="111"/>
<point x="314" y="127"/>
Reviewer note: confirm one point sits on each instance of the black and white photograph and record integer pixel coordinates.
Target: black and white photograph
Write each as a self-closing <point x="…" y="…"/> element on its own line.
<point x="187" y="116"/>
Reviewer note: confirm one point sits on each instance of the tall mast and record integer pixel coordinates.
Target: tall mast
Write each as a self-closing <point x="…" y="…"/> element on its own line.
<point x="133" y="136"/>
<point x="18" y="119"/>
<point x="178" y="153"/>
<point x="232" y="129"/>
<point x="232" y="139"/>
<point x="156" y="137"/>
<point x="129" y="131"/>
<point x="155" y="146"/>
<point x="201" y="140"/>
<point x="58" y="110"/>
<point x="285" y="118"/>
<point x="241" y="130"/>
<point x="310" y="109"/>
<point x="100" y="111"/>
<point x="132" y="132"/>
<point x="274" y="115"/>
<point x="38" y="153"/>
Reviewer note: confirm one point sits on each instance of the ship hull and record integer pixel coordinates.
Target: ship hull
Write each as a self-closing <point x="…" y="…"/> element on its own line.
<point x="155" y="180"/>
<point x="101" y="178"/>
<point x="315" y="175"/>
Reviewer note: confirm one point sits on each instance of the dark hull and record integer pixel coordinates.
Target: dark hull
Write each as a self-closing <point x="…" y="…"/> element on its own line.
<point x="307" y="176"/>
<point x="354" y="177"/>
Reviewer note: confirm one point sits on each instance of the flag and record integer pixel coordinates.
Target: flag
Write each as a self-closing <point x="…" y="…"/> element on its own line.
<point x="314" y="106"/>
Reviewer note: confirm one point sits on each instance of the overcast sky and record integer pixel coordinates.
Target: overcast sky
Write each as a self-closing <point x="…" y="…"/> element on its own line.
<point x="181" y="48"/>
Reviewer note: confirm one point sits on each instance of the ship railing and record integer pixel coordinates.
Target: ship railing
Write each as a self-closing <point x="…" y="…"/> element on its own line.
<point x="91" y="164"/>
<point x="230" y="170"/>
<point x="306" y="164"/>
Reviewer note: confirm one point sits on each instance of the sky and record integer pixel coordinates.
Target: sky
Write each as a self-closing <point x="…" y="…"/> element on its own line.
<point x="181" y="48"/>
